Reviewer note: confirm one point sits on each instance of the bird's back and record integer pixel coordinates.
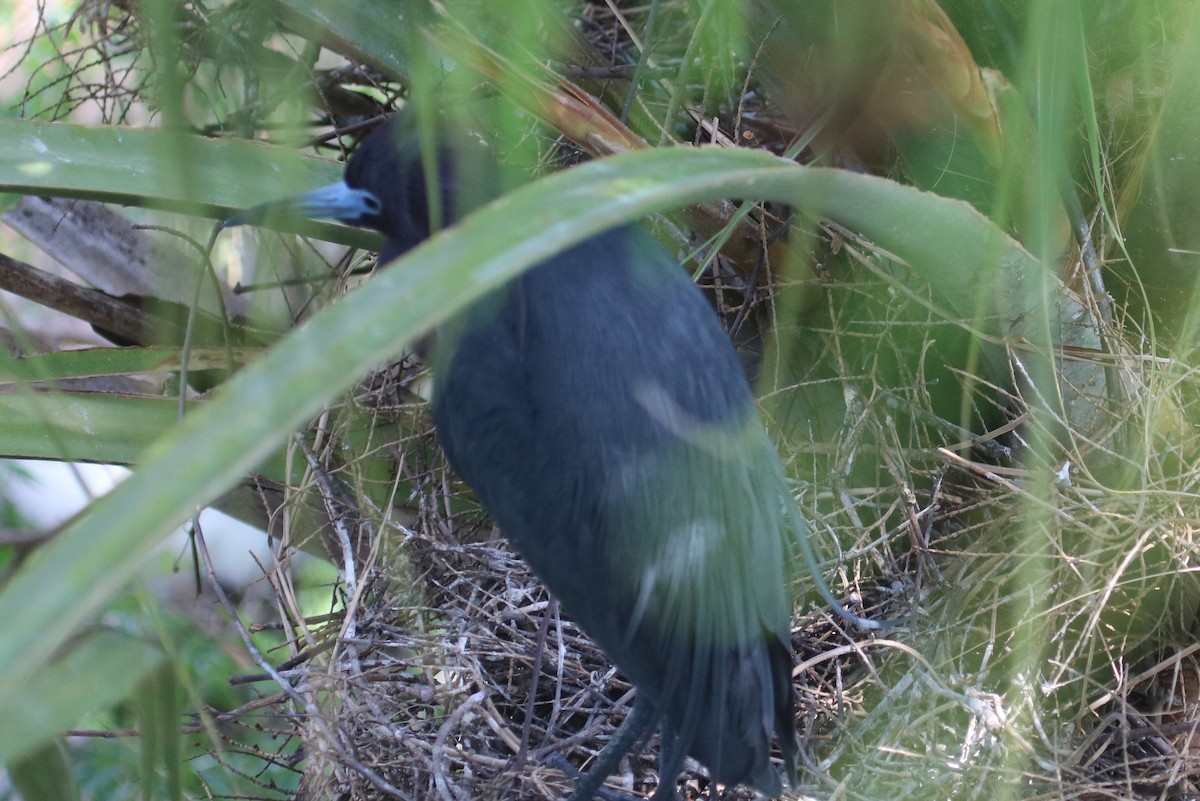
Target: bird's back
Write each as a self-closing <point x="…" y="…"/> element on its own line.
<point x="599" y="411"/>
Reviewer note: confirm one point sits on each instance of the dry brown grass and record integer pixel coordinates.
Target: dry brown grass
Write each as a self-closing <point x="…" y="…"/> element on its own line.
<point x="1046" y="643"/>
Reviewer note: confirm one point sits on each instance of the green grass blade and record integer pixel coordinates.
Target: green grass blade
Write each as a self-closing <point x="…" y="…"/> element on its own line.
<point x="252" y="414"/>
<point x="138" y="167"/>
<point x="97" y="673"/>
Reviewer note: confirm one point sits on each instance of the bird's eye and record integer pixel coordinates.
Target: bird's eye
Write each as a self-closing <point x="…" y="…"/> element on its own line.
<point x="372" y="205"/>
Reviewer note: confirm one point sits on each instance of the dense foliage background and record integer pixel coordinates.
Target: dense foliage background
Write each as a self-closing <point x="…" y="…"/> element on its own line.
<point x="956" y="243"/>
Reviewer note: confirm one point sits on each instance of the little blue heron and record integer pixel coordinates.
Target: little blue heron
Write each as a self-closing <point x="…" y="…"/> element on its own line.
<point x="600" y="413"/>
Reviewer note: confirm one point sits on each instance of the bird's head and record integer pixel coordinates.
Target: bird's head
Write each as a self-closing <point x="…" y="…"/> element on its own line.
<point x="386" y="188"/>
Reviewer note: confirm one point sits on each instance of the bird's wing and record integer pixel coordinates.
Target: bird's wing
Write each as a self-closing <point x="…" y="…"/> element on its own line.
<point x="600" y="413"/>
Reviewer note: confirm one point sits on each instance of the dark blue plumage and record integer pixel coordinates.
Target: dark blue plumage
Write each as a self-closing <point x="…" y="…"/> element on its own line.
<point x="598" y="410"/>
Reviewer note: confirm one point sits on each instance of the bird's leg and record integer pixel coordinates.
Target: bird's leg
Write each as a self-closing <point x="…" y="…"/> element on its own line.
<point x="670" y="764"/>
<point x="605" y="793"/>
<point x="637" y="724"/>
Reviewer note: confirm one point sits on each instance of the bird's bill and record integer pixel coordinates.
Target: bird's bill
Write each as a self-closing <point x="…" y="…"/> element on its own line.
<point x="338" y="202"/>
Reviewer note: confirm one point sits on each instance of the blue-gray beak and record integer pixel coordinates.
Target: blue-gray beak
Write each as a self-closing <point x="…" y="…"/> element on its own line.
<point x="338" y="202"/>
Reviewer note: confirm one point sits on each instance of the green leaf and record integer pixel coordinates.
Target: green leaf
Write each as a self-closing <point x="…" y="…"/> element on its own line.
<point x="95" y="362"/>
<point x="947" y="241"/>
<point x="1160" y="228"/>
<point x="162" y="169"/>
<point x="96" y="673"/>
<point x="45" y="774"/>
<point x="105" y="428"/>
<point x="82" y="426"/>
<point x="368" y="31"/>
<point x="159" y="713"/>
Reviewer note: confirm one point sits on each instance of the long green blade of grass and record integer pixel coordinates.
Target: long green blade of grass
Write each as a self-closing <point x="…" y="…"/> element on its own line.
<point x="250" y="416"/>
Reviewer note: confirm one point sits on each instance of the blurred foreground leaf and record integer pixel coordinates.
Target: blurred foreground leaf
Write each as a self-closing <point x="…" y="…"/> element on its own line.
<point x="141" y="167"/>
<point x="93" y="674"/>
<point x="953" y="246"/>
<point x="44" y="774"/>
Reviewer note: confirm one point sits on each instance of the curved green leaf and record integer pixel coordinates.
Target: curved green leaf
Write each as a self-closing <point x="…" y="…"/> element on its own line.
<point x="82" y="426"/>
<point x="93" y="362"/>
<point x="98" y="672"/>
<point x="163" y="169"/>
<point x="251" y="415"/>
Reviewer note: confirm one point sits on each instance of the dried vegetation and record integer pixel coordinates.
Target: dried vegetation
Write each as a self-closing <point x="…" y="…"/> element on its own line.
<point x="1041" y="567"/>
